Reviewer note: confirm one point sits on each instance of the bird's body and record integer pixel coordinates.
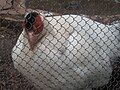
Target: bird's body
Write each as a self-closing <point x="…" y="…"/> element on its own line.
<point x="73" y="54"/>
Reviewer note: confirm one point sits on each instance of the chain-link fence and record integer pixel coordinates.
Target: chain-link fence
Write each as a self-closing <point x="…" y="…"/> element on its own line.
<point x="59" y="45"/>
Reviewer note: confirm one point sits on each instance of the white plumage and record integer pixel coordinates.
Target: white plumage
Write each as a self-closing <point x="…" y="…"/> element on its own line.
<point x="74" y="54"/>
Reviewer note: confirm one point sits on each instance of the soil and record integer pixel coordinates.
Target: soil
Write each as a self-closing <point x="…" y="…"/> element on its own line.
<point x="11" y="79"/>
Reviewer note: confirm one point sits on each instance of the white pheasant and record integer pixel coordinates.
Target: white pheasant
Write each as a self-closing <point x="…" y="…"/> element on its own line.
<point x="66" y="52"/>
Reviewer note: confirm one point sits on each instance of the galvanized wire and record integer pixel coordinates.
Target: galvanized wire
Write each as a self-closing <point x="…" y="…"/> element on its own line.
<point x="76" y="52"/>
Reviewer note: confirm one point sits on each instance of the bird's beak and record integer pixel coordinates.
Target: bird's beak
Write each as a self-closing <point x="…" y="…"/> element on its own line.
<point x="32" y="39"/>
<point x="30" y="36"/>
<point x="34" y="36"/>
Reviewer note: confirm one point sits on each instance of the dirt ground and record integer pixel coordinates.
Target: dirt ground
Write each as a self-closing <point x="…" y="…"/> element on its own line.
<point x="11" y="79"/>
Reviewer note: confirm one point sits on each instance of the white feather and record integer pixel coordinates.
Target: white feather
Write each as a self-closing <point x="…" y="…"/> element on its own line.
<point x="74" y="54"/>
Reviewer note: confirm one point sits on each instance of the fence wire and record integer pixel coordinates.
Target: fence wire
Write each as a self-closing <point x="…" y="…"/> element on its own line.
<point x="59" y="45"/>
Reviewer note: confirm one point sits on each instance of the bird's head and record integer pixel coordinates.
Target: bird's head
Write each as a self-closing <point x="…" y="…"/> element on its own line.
<point x="33" y="25"/>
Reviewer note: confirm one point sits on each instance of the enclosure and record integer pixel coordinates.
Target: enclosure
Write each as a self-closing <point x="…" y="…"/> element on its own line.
<point x="11" y="18"/>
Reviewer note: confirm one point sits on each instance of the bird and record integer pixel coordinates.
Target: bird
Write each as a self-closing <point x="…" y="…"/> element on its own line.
<point x="66" y="52"/>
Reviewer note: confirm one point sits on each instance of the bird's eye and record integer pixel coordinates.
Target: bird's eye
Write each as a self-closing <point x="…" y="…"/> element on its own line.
<point x="28" y="16"/>
<point x="28" y="26"/>
<point x="30" y="19"/>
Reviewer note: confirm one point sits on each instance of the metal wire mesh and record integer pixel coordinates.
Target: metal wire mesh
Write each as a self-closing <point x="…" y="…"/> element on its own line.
<point x="77" y="48"/>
